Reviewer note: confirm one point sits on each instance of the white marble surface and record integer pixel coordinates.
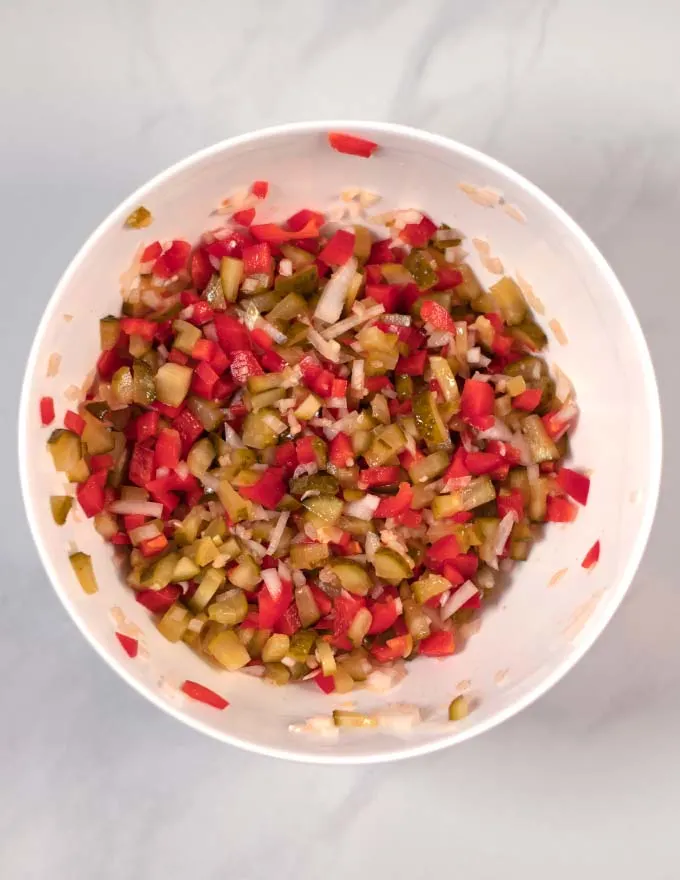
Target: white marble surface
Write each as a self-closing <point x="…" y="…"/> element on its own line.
<point x="582" y="96"/>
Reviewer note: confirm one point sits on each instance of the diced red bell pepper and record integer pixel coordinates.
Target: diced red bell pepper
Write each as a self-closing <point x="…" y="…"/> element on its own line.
<point x="458" y="466"/>
<point x="200" y="269"/>
<point x="219" y="360"/>
<point x="178" y="357"/>
<point x="443" y="550"/>
<point x="128" y="644"/>
<point x="351" y="144"/>
<point x="448" y="277"/>
<point x="513" y="502"/>
<point x="339" y="388"/>
<point x="345" y="609"/>
<point x="384" y="615"/>
<point x="476" y="404"/>
<point x="204" y="350"/>
<point x="146" y="425"/>
<point x="439" y="644"/>
<point x="90" y="494"/>
<point x="325" y="682"/>
<point x="190" y="297"/>
<point x="244" y="217"/>
<point x="528" y="400"/>
<point x="202" y="314"/>
<point x="151" y="252"/>
<point x="338" y="249"/>
<point x="574" y="484"/>
<point x="272" y="362"/>
<point x="244" y="364"/>
<point x="452" y="574"/>
<point x="231" y="333"/>
<point x="378" y="476"/>
<point x="289" y="622"/>
<point x="592" y="556"/>
<point x="397" y="504"/>
<point x="207" y="376"/>
<point x="373" y="276"/>
<point x="108" y="362"/>
<point x="305" y="450"/>
<point x="158" y="601"/>
<point x="270" y="608"/>
<point x="275" y="234"/>
<point x="466" y="564"/>
<point x="387" y="295"/>
<point x="560" y="510"/>
<point x="72" y="421"/>
<point x="153" y="546"/>
<point x="410" y="519"/>
<point x="173" y="259"/>
<point x="257" y="259"/>
<point x="101" y="462"/>
<point x="285" y="457"/>
<point x="299" y="220"/>
<point x="556" y="425"/>
<point x="482" y="462"/>
<point x="412" y="365"/>
<point x="341" y="452"/>
<point x="418" y="234"/>
<point x="322" y="600"/>
<point x="393" y="649"/>
<point x="189" y="428"/>
<point x="231" y="246"/>
<point x="437" y="316"/>
<point x="260" y="188"/>
<point x="261" y="338"/>
<point x="204" y="695"/>
<point x="268" y="490"/>
<point x="141" y="468"/>
<point x="375" y="384"/>
<point x="139" y="327"/>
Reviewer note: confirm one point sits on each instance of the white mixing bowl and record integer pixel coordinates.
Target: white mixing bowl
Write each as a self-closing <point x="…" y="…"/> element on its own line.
<point x="529" y="639"/>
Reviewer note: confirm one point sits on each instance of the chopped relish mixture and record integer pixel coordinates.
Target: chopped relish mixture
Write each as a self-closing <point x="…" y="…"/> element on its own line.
<point x="318" y="450"/>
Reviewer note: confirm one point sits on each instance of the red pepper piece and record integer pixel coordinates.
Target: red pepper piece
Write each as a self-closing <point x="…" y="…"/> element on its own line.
<point x="399" y="503"/>
<point x="172" y="260"/>
<point x="289" y="622"/>
<point x="285" y="457"/>
<point x="528" y="400"/>
<point x="384" y="615"/>
<point x="574" y="484"/>
<point x="305" y="450"/>
<point x="560" y="510"/>
<point x="204" y="695"/>
<point x="513" y="502"/>
<point x="378" y="476"/>
<point x="189" y="428"/>
<point x="351" y="144"/>
<point x="146" y="425"/>
<point x="338" y="249"/>
<point x="200" y="269"/>
<point x="260" y="188"/>
<point x="445" y="549"/>
<point x="448" y="277"/>
<point x="204" y="350"/>
<point x="128" y="644"/>
<point x="482" y="462"/>
<point x="271" y="608"/>
<point x="299" y="220"/>
<point x="439" y="644"/>
<point x="387" y="295"/>
<point x="244" y="364"/>
<point x="476" y="404"/>
<point x="268" y="490"/>
<point x="139" y="327"/>
<point x="325" y="682"/>
<point x="141" y="468"/>
<point x="393" y="649"/>
<point x="275" y="234"/>
<point x="244" y="217"/>
<point x="437" y="316"/>
<point x="231" y="333"/>
<point x="592" y="556"/>
<point x="418" y="234"/>
<point x="412" y="365"/>
<point x="73" y="422"/>
<point x="257" y="259"/>
<point x="158" y="601"/>
<point x="341" y="452"/>
<point x="151" y="252"/>
<point x="90" y="494"/>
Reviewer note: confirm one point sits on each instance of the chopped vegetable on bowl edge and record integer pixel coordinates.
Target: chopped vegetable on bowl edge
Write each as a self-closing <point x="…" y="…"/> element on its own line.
<point x="318" y="451"/>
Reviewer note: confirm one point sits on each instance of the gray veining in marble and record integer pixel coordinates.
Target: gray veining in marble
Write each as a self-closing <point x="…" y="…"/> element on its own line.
<point x="583" y="97"/>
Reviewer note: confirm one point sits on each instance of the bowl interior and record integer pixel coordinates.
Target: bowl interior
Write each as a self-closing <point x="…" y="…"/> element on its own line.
<point x="534" y="632"/>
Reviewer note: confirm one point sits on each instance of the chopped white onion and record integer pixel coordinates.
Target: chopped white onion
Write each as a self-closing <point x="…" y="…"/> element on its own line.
<point x="458" y="598"/>
<point x="144" y="532"/>
<point x="272" y="332"/>
<point x="353" y="321"/>
<point x="277" y="532"/>
<point x="328" y="348"/>
<point x="503" y="531"/>
<point x="137" y="508"/>
<point x="364" y="508"/>
<point x="399" y="719"/>
<point x="210" y="331"/>
<point x="385" y="678"/>
<point x="533" y="473"/>
<point x="332" y="300"/>
<point x="358" y="376"/>
<point x="276" y="425"/>
<point x="231" y="437"/>
<point x="272" y="581"/>
<point x="398" y="320"/>
<point x="371" y="544"/>
<point x="285" y="268"/>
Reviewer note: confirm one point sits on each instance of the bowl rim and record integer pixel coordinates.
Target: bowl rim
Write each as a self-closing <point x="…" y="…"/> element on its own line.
<point x="636" y="551"/>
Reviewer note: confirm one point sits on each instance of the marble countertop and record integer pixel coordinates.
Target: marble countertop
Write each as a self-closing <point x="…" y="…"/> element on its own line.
<point x="581" y="96"/>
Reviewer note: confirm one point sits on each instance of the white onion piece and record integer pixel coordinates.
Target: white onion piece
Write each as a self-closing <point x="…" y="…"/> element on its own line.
<point x="364" y="508"/>
<point x="277" y="532"/>
<point x="272" y="581"/>
<point x="332" y="300"/>
<point x="326" y="347"/>
<point x="231" y="437"/>
<point x="276" y="425"/>
<point x="357" y="381"/>
<point x="503" y="532"/>
<point x="210" y="482"/>
<point x="210" y="331"/>
<point x="533" y="473"/>
<point x="353" y="321"/>
<point x="399" y="719"/>
<point x="462" y="595"/>
<point x="371" y="544"/>
<point x="271" y="331"/>
<point x="498" y="431"/>
<point x="137" y="508"/>
<point x="521" y="445"/>
<point x="182" y="470"/>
